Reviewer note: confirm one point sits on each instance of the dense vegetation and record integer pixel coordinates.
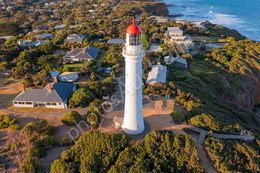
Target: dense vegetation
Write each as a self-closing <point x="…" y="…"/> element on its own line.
<point x="93" y="152"/>
<point x="161" y="151"/>
<point x="215" y="85"/>
<point x="233" y="156"/>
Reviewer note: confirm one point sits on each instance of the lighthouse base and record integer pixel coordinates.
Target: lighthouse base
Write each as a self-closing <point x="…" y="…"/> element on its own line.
<point x="131" y="131"/>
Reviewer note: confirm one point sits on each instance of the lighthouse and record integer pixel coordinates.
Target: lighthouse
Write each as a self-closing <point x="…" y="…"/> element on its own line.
<point x="133" y="52"/>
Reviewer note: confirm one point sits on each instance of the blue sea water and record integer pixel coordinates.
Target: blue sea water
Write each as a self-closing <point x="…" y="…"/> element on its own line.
<point x="242" y="15"/>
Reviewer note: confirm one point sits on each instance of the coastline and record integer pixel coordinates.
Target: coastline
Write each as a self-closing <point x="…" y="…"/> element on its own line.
<point x="226" y="20"/>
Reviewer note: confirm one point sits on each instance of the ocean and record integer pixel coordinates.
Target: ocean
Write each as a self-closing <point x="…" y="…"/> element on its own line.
<point x="242" y="15"/>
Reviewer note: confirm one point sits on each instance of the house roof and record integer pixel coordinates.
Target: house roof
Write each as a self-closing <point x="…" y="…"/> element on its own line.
<point x="75" y="38"/>
<point x="43" y="36"/>
<point x="174" y="29"/>
<point x="60" y="93"/>
<point x="54" y="74"/>
<point x="157" y="74"/>
<point x="69" y="74"/>
<point x="116" y="41"/>
<point x="181" y="60"/>
<point x="83" y="53"/>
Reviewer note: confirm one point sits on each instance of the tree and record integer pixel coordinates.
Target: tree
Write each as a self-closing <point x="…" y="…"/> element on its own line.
<point x="89" y="67"/>
<point x="41" y="78"/>
<point x="81" y="98"/>
<point x="145" y="41"/>
<point x="71" y="118"/>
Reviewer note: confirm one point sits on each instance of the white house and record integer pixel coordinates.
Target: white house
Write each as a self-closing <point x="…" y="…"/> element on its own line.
<point x="175" y="35"/>
<point x="68" y="76"/>
<point x="53" y="95"/>
<point x="157" y="75"/>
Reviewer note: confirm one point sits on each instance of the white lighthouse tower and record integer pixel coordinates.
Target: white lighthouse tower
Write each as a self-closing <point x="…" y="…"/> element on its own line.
<point x="133" y="52"/>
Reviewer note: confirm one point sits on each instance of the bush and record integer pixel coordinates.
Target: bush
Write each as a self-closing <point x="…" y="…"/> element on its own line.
<point x="8" y="122"/>
<point x="178" y="117"/>
<point x="71" y="118"/>
<point x="206" y="121"/>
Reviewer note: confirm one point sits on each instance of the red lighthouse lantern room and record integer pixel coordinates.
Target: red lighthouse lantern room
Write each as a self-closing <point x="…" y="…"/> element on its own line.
<point x="133" y="34"/>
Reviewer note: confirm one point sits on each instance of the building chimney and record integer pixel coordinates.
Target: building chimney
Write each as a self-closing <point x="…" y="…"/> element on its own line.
<point x="49" y="87"/>
<point x="55" y="79"/>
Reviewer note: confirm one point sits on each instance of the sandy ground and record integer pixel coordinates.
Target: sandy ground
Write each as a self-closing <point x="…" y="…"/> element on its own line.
<point x="8" y="92"/>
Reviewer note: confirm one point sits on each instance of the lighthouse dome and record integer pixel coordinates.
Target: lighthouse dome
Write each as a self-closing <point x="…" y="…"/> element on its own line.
<point x="133" y="28"/>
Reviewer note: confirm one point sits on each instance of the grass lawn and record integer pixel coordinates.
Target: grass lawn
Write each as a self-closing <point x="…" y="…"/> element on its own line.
<point x="74" y="67"/>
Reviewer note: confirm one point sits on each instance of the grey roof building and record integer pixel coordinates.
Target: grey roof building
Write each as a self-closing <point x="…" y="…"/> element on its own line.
<point x="75" y="38"/>
<point x="157" y="75"/>
<point x="82" y="54"/>
<point x="43" y="36"/>
<point x="53" y="95"/>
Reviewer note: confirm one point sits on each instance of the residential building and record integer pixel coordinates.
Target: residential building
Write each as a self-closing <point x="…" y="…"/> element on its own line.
<point x="177" y="61"/>
<point x="68" y="77"/>
<point x="75" y="38"/>
<point x="157" y="75"/>
<point x="30" y="43"/>
<point x="175" y="35"/>
<point x="58" y="27"/>
<point x="53" y="95"/>
<point x="44" y="36"/>
<point x="81" y="54"/>
<point x="116" y="41"/>
<point x="159" y="19"/>
<point x="155" y="48"/>
<point x="54" y="74"/>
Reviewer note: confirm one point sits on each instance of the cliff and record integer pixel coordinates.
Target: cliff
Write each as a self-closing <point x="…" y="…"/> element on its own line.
<point x="155" y="8"/>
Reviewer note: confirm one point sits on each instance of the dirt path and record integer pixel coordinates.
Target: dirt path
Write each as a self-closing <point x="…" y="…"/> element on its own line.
<point x="205" y="160"/>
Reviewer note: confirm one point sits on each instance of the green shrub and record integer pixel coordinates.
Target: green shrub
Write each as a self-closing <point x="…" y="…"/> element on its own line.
<point x="178" y="117"/>
<point x="206" y="121"/>
<point x="8" y="122"/>
<point x="71" y="118"/>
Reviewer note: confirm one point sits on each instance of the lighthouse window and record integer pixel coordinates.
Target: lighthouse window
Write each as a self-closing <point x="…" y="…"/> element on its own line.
<point x="134" y="40"/>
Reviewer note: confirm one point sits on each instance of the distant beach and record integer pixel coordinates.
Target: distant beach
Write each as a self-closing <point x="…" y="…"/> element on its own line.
<point x="244" y="16"/>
